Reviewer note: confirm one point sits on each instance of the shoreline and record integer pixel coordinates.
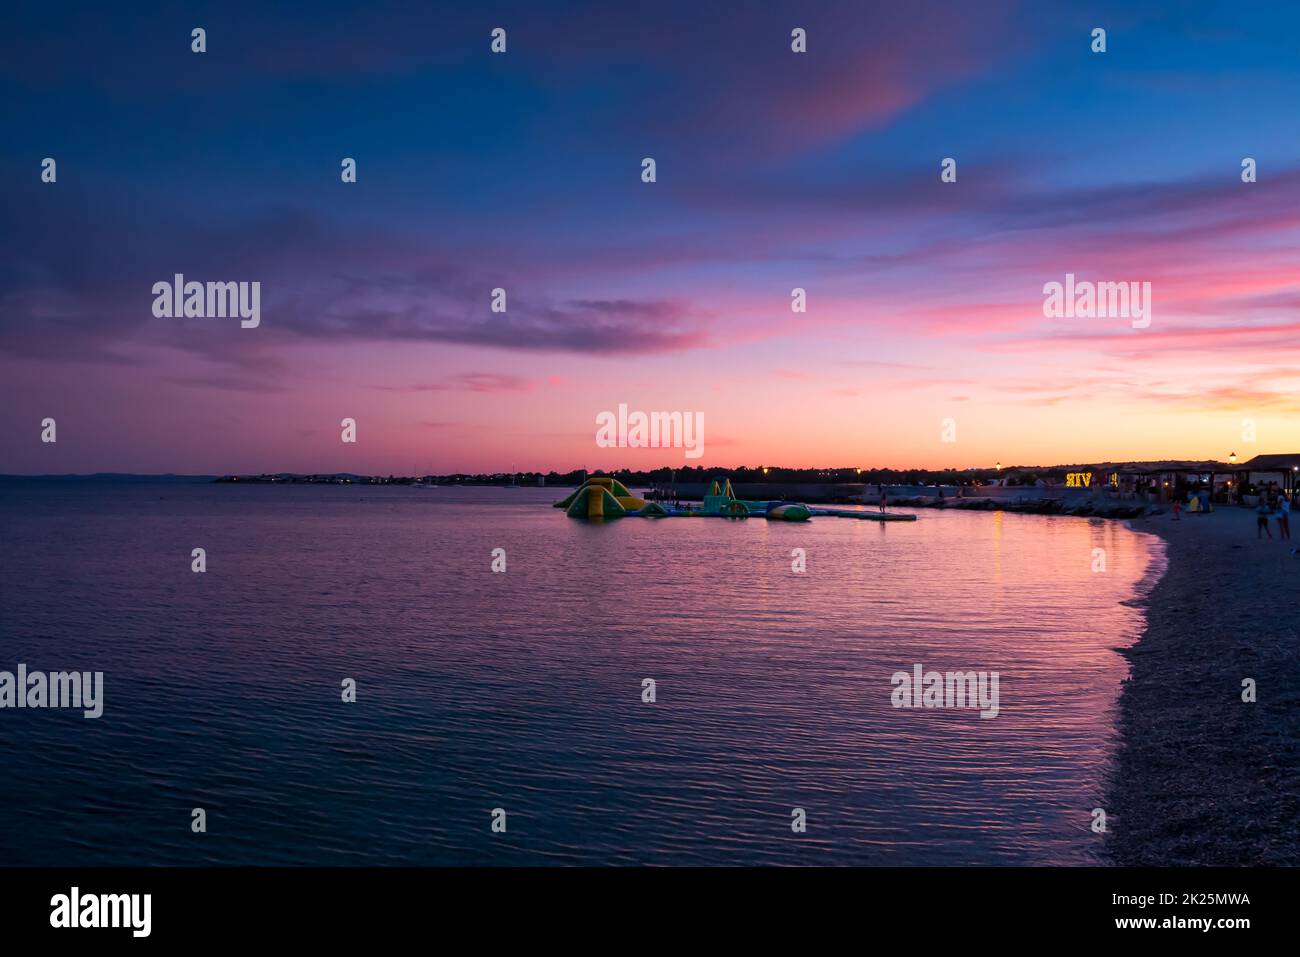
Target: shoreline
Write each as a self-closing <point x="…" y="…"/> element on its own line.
<point x="1201" y="777"/>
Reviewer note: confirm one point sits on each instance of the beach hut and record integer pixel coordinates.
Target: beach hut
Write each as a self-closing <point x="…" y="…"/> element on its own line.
<point x="1279" y="470"/>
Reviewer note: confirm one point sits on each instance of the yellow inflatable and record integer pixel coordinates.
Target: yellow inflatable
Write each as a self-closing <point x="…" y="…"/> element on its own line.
<point x="601" y="498"/>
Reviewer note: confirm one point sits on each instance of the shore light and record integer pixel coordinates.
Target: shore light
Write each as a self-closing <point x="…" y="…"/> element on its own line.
<point x="1232" y="458"/>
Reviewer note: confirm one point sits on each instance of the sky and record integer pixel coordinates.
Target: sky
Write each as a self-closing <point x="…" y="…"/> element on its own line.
<point x="924" y="343"/>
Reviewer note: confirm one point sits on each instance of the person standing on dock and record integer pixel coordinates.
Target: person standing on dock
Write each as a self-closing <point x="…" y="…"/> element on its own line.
<point x="884" y="499"/>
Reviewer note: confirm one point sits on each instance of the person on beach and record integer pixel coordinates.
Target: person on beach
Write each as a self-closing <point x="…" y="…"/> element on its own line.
<point x="1178" y="507"/>
<point x="1283" y="517"/>
<point x="1261" y="520"/>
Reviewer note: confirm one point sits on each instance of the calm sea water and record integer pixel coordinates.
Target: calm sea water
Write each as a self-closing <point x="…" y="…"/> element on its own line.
<point x="523" y="690"/>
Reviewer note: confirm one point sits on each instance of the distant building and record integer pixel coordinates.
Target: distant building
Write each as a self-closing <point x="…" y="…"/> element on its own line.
<point x="1280" y="470"/>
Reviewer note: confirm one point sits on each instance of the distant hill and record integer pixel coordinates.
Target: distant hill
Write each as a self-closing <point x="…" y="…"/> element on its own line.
<point x="109" y="477"/>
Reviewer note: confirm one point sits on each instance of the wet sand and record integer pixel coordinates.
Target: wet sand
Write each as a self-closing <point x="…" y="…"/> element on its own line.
<point x="1201" y="777"/>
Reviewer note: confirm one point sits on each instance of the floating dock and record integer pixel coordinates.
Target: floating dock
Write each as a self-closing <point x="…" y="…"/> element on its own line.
<point x="865" y="515"/>
<point x="604" y="497"/>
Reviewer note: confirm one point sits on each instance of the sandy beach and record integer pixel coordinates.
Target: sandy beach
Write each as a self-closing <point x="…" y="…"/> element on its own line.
<point x="1203" y="778"/>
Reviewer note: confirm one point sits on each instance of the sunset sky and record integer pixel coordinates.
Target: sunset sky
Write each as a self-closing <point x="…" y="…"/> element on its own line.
<point x="775" y="170"/>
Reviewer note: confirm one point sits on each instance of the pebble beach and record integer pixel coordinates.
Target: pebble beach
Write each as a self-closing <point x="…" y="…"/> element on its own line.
<point x="1203" y="777"/>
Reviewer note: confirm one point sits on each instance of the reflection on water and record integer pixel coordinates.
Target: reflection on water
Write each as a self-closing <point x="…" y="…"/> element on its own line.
<point x="523" y="690"/>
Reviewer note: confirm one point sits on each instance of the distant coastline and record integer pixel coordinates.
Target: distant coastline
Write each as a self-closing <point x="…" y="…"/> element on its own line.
<point x="1026" y="500"/>
<point x="110" y="477"/>
<point x="1033" y="500"/>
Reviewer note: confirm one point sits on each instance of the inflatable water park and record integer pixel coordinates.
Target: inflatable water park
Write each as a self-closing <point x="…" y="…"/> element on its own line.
<point x="604" y="497"/>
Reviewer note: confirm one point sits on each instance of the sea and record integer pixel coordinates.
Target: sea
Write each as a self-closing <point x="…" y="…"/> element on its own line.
<point x="529" y="689"/>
